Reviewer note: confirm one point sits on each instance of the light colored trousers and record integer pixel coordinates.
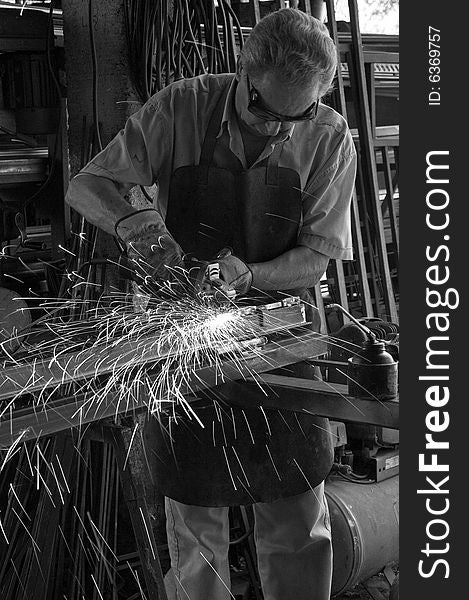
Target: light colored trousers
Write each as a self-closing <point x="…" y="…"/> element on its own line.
<point x="293" y="543"/>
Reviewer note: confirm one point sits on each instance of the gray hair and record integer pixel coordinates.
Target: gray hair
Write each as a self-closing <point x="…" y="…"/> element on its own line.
<point x="293" y="45"/>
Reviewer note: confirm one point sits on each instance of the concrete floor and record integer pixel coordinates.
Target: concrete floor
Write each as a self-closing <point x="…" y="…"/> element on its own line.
<point x="376" y="588"/>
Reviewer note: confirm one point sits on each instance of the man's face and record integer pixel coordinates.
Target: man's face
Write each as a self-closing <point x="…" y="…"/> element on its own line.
<point x="275" y="97"/>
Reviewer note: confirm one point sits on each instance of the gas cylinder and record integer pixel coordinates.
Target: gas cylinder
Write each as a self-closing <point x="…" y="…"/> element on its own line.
<point x="365" y="529"/>
<point x="372" y="372"/>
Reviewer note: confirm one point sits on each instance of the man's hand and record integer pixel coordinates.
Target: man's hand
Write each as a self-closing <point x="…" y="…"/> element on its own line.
<point x="234" y="273"/>
<point x="151" y="249"/>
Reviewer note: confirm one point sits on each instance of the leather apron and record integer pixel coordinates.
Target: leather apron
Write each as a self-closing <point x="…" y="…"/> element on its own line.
<point x="241" y="455"/>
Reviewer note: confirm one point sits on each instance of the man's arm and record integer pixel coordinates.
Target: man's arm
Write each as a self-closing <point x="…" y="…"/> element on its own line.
<point x="149" y="245"/>
<point x="299" y="267"/>
<point x="98" y="199"/>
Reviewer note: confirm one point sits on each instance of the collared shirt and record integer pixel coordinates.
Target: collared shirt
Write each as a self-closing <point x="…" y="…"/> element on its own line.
<point x="168" y="133"/>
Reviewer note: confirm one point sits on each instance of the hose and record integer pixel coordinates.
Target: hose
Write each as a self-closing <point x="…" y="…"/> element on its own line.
<point x="346" y="472"/>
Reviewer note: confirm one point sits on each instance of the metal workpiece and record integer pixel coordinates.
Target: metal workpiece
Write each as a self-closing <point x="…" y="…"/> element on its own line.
<point x="275" y="335"/>
<point x="277" y="342"/>
<point x="255" y="325"/>
<point x="320" y="398"/>
<point x="56" y="415"/>
<point x="27" y="165"/>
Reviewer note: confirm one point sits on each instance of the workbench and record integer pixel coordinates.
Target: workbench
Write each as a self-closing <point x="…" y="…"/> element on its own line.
<point x="317" y="397"/>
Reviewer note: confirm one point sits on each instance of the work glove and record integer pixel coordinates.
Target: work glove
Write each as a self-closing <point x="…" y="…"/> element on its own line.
<point x="234" y="273"/>
<point x="152" y="251"/>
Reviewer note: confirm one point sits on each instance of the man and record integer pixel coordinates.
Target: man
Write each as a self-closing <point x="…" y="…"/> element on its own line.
<point x="254" y="162"/>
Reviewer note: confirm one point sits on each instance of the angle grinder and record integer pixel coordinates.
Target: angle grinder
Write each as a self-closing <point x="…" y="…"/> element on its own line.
<point x="208" y="279"/>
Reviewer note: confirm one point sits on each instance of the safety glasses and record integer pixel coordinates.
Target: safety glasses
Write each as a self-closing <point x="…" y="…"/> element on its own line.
<point x="255" y="107"/>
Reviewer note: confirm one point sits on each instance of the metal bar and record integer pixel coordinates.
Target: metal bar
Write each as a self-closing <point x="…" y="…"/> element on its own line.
<point x="46" y="520"/>
<point x="80" y="491"/>
<point x="255" y="12"/>
<point x="374" y="274"/>
<point x="231" y="42"/>
<point x="134" y="496"/>
<point x="317" y="397"/>
<point x="305" y="6"/>
<point x="390" y="141"/>
<point x="104" y="515"/>
<point x="389" y="200"/>
<point x="366" y="136"/>
<point x="329" y="363"/>
<point x="369" y="78"/>
<point x="337" y="268"/>
<point x="68" y="367"/>
<point x="380" y="57"/>
<point x="99" y="359"/>
<point x="319" y="301"/>
<point x="367" y="306"/>
<point x="58" y="415"/>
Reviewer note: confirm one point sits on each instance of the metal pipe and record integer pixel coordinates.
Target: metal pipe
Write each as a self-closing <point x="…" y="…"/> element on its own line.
<point x="365" y="529"/>
<point x="365" y="329"/>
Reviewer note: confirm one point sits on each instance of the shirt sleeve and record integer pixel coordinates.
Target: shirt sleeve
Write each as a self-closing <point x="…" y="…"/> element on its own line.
<point x="137" y="153"/>
<point x="326" y="225"/>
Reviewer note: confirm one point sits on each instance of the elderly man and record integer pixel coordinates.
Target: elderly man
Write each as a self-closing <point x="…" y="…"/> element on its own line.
<point x="252" y="161"/>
